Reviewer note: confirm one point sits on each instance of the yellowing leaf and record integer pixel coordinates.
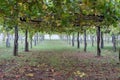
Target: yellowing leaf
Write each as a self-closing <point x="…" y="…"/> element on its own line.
<point x="80" y="74"/>
<point x="44" y="6"/>
<point x="20" y="4"/>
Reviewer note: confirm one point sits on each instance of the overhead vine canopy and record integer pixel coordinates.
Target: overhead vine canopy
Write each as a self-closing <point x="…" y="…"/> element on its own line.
<point x="60" y="15"/>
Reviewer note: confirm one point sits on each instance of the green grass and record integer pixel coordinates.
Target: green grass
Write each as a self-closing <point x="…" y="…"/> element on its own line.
<point x="55" y="45"/>
<point x="54" y="49"/>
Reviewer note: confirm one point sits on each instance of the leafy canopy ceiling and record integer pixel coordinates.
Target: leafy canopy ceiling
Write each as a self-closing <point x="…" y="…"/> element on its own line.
<point x="60" y="15"/>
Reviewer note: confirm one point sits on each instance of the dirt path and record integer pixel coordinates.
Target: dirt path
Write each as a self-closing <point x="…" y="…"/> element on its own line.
<point x="65" y="65"/>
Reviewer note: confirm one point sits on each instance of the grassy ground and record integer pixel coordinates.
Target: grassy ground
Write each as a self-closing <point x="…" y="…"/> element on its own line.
<point x="56" y="60"/>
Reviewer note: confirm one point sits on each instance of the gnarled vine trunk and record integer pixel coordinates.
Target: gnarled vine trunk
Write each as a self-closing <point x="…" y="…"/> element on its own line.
<point x="78" y="41"/>
<point x="98" y="42"/>
<point x="102" y="41"/>
<point x="8" y="40"/>
<point x="35" y="40"/>
<point x="92" y="39"/>
<point x="114" y="42"/>
<point x="73" y="39"/>
<point x="119" y="54"/>
<point x="31" y="42"/>
<point x="26" y="40"/>
<point x="69" y="39"/>
<point x="85" y="41"/>
<point x="15" y="51"/>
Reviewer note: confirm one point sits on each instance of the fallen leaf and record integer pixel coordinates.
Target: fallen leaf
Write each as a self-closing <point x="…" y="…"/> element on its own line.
<point x="30" y="74"/>
<point x="17" y="76"/>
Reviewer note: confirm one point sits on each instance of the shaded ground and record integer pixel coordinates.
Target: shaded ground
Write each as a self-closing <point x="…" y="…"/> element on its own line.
<point x="65" y="63"/>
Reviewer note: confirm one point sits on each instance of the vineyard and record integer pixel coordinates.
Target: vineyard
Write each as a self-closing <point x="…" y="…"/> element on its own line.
<point x="86" y="46"/>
